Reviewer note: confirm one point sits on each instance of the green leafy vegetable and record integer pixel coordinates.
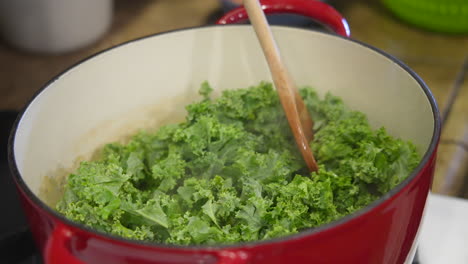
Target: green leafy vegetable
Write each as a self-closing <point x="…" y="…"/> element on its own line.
<point x="231" y="172"/>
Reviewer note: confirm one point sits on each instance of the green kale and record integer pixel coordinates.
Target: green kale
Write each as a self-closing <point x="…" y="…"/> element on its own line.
<point x="231" y="172"/>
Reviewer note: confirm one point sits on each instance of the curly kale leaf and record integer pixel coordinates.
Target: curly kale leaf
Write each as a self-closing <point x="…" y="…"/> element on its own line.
<point x="231" y="172"/>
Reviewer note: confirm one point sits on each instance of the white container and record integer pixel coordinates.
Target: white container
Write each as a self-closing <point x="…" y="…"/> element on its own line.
<point x="54" y="26"/>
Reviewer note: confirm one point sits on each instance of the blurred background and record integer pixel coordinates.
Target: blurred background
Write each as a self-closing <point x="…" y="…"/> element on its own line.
<point x="40" y="39"/>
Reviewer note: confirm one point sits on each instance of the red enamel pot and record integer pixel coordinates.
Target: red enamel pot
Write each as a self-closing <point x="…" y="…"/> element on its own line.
<point x="146" y="81"/>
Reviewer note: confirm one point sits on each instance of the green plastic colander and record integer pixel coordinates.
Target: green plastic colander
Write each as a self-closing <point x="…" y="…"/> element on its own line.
<point x="450" y="16"/>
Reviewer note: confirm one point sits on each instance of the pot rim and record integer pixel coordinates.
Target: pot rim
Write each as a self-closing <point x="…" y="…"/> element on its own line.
<point x="300" y="235"/>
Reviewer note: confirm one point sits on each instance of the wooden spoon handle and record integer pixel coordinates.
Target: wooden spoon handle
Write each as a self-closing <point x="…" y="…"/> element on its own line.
<point x="304" y="116"/>
<point x="288" y="93"/>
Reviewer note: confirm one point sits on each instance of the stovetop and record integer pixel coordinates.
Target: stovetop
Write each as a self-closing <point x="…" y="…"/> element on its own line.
<point x="16" y="244"/>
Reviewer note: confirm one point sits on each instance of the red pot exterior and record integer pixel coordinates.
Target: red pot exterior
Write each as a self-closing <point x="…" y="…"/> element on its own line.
<point x="383" y="234"/>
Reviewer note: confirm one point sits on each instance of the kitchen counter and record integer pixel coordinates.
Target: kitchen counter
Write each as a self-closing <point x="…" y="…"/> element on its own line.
<point x="441" y="60"/>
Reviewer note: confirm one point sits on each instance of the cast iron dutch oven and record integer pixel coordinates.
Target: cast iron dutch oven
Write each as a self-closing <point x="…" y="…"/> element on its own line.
<point x="151" y="79"/>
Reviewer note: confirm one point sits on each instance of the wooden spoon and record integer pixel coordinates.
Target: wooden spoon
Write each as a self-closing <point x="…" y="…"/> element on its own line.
<point x="296" y="112"/>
